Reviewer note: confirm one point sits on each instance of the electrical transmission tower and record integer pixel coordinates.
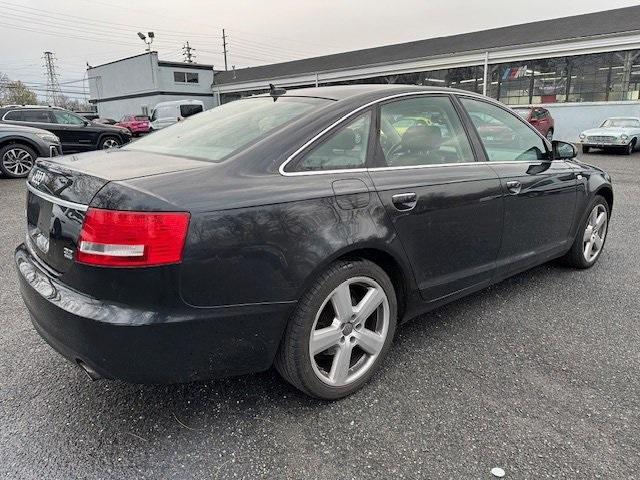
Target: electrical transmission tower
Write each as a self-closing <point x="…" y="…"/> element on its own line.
<point x="188" y="56"/>
<point x="53" y="86"/>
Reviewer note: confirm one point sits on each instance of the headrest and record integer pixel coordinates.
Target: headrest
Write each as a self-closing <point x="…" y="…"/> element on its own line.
<point x="422" y="137"/>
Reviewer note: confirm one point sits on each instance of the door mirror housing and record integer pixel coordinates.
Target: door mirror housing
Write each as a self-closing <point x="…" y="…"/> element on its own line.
<point x="563" y="150"/>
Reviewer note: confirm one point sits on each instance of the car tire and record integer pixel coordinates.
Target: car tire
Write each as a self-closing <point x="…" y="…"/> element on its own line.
<point x="549" y="135"/>
<point x="629" y="149"/>
<point x="16" y="160"/>
<point x="577" y="256"/>
<point x="109" y="142"/>
<point x="349" y="340"/>
<point x="586" y="149"/>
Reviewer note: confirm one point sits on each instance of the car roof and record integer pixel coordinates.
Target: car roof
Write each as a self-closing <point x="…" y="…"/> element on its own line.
<point x="623" y="118"/>
<point x="344" y="92"/>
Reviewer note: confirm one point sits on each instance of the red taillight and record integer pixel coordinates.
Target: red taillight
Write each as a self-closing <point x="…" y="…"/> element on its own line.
<point x="132" y="239"/>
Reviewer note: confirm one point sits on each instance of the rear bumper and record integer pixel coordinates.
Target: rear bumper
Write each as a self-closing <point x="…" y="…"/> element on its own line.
<point x="149" y="346"/>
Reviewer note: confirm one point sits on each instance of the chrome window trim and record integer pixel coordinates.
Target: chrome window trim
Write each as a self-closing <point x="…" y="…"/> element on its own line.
<point x="57" y="201"/>
<point x="337" y="123"/>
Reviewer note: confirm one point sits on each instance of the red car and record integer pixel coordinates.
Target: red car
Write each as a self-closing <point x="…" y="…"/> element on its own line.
<point x="136" y="124"/>
<point x="540" y="118"/>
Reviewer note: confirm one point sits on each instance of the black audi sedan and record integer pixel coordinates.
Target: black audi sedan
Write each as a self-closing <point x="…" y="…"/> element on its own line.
<point x="295" y="229"/>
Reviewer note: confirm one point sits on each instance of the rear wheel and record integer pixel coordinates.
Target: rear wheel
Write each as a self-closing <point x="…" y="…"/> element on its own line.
<point x="340" y="330"/>
<point x="591" y="237"/>
<point x="586" y="149"/>
<point x="109" y="142"/>
<point x="16" y="160"/>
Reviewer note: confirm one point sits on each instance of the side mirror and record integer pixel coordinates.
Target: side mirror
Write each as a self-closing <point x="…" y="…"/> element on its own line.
<point x="563" y="150"/>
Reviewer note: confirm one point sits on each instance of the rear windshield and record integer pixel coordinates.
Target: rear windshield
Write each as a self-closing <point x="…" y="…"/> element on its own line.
<point x="217" y="133"/>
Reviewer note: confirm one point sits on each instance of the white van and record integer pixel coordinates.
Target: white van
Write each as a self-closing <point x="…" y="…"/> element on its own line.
<point x="168" y="113"/>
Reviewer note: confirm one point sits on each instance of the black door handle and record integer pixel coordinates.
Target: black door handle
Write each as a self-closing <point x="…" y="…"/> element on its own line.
<point x="404" y="201"/>
<point x="514" y="187"/>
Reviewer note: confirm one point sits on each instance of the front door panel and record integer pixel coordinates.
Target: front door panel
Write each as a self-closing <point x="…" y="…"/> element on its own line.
<point x="452" y="233"/>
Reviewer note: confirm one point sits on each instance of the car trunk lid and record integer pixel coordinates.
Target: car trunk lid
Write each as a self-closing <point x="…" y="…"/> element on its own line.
<point x="60" y="191"/>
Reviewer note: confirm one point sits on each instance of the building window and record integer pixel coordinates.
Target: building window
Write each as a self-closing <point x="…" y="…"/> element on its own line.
<point x="185" y="77"/>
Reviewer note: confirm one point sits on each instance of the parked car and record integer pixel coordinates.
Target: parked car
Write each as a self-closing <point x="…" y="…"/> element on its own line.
<point x="76" y="133"/>
<point x="104" y="121"/>
<point x="264" y="232"/>
<point x="168" y="113"/>
<point x="20" y="146"/>
<point x="615" y="134"/>
<point x="540" y="118"/>
<point x="136" y="124"/>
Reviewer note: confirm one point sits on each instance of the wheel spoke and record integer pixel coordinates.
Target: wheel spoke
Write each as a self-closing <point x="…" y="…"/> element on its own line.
<point x="369" y="303"/>
<point x="587" y="234"/>
<point x="341" y="301"/>
<point x="598" y="241"/>
<point x="370" y="341"/>
<point x="587" y="250"/>
<point x="325" y="338"/>
<point x="593" y="217"/>
<point x="600" y="221"/>
<point x="340" y="366"/>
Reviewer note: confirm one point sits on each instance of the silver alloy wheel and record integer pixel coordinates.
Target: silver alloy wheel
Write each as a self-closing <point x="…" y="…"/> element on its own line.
<point x="595" y="233"/>
<point x="110" y="143"/>
<point x="349" y="331"/>
<point x="17" y="161"/>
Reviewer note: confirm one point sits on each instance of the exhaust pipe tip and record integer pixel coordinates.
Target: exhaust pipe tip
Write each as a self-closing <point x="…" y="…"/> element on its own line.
<point x="91" y="373"/>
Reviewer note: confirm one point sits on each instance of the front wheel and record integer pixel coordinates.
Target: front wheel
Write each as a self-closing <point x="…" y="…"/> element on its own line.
<point x="628" y="150"/>
<point x="16" y="160"/>
<point x="340" y="330"/>
<point x="109" y="142"/>
<point x="549" y="135"/>
<point x="589" y="242"/>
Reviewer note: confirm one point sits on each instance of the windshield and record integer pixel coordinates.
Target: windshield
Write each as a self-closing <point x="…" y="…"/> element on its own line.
<point x="621" y="122"/>
<point x="217" y="133"/>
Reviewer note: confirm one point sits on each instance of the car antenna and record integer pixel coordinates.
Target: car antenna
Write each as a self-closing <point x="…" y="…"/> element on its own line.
<point x="275" y="92"/>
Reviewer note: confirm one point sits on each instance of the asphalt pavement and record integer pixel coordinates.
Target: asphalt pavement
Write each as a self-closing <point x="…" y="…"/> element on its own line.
<point x="539" y="375"/>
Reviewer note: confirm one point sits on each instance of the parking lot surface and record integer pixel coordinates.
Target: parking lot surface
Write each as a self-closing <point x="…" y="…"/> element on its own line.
<point x="538" y="375"/>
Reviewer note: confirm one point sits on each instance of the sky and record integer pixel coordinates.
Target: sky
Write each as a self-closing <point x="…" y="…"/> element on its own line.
<point x="259" y="32"/>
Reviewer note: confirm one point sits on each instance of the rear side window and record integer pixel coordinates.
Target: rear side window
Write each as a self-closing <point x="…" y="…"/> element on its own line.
<point x="14" y="115"/>
<point x="505" y="137"/>
<point x="188" y="110"/>
<point x="344" y="149"/>
<point x="38" y="116"/>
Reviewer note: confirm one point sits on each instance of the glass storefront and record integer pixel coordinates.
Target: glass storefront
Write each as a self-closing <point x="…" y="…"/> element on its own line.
<point x="598" y="77"/>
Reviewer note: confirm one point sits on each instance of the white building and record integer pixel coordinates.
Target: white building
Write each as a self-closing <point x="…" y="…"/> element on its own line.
<point x="582" y="68"/>
<point x="136" y="84"/>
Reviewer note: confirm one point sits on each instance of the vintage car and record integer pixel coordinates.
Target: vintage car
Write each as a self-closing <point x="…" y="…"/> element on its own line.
<point x="615" y="133"/>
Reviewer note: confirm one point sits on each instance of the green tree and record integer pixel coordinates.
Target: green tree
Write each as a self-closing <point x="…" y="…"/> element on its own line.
<point x="15" y="92"/>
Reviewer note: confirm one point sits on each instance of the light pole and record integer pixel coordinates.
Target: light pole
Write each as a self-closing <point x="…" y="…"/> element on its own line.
<point x="148" y="39"/>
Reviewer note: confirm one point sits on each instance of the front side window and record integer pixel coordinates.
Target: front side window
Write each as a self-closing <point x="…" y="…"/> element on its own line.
<point x="344" y="149"/>
<point x="37" y="116"/>
<point x="423" y="130"/>
<point x="66" y="118"/>
<point x="505" y="136"/>
<point x="217" y="133"/>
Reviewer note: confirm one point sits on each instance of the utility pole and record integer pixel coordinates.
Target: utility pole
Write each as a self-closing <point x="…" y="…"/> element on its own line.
<point x="186" y="51"/>
<point x="53" y="86"/>
<point x="224" y="48"/>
